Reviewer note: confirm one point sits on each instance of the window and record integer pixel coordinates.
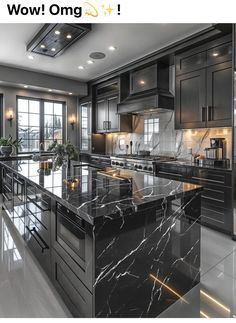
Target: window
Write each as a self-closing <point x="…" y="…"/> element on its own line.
<point x="1" y="115"/>
<point x="39" y="121"/>
<point x="151" y="127"/>
<point x="85" y="113"/>
<point x="53" y="120"/>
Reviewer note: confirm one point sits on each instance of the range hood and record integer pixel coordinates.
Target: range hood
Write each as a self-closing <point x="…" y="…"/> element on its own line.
<point x="158" y="102"/>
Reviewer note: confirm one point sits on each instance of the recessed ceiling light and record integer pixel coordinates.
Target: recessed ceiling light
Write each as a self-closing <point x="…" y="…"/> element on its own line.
<point x="30" y="57"/>
<point x="80" y="67"/>
<point x="42" y="46"/>
<point x="215" y="54"/>
<point x="90" y="61"/>
<point x="70" y="93"/>
<point x="49" y="90"/>
<point x="68" y="36"/>
<point x="26" y="86"/>
<point x="53" y="49"/>
<point x="97" y="55"/>
<point x="57" y="32"/>
<point x="112" y="48"/>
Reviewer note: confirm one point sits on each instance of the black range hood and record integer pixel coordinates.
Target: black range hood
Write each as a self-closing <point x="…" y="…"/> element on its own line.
<point x="158" y="102"/>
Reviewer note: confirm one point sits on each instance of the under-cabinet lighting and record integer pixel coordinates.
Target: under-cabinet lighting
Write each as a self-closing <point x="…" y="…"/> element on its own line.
<point x="215" y="301"/>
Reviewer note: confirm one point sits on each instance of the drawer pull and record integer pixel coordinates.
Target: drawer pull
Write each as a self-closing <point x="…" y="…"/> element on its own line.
<point x="207" y="180"/>
<point x="37" y="238"/>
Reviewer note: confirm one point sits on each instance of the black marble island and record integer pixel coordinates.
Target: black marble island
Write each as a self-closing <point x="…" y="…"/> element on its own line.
<point x="115" y="243"/>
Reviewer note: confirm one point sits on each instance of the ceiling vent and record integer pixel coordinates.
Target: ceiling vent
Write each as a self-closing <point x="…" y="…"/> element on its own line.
<point x="53" y="39"/>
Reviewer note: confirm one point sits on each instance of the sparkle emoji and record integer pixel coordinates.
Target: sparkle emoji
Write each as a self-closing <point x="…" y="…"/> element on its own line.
<point x="108" y="10"/>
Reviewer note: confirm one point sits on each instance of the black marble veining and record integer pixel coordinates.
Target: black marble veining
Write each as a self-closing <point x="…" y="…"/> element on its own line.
<point x="102" y="193"/>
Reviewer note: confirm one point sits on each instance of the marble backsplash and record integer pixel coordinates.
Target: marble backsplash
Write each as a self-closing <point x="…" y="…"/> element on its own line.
<point x="168" y="141"/>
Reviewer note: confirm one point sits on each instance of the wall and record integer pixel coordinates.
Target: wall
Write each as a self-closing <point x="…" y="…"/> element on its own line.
<point x="9" y="101"/>
<point x="169" y="141"/>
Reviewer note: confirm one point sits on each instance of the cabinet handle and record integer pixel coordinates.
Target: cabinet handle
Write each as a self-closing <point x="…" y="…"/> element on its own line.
<point x="210" y="113"/>
<point x="37" y="238"/>
<point x="204" y="112"/>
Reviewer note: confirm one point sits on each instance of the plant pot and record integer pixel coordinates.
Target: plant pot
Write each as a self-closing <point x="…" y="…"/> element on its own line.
<point x="6" y="150"/>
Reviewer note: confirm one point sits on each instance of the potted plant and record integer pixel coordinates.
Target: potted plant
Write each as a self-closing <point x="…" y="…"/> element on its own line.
<point x="7" y="145"/>
<point x="64" y="153"/>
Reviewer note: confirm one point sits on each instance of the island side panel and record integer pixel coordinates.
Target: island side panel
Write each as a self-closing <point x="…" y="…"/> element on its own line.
<point x="147" y="261"/>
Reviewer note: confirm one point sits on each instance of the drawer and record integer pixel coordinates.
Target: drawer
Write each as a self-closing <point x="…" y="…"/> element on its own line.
<point x="219" y="54"/>
<point x="33" y="222"/>
<point x="38" y="246"/>
<point x="217" y="195"/>
<point x="216" y="217"/>
<point x="170" y="171"/>
<point x="39" y="198"/>
<point x="75" y="295"/>
<point x="208" y="176"/>
<point x="189" y="61"/>
<point x="42" y="216"/>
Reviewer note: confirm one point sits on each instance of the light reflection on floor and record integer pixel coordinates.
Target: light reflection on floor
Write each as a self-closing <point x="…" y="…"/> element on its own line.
<point x="215" y="296"/>
<point x="25" y="291"/>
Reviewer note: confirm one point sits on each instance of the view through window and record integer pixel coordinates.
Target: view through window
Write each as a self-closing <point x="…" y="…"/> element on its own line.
<point x="39" y="121"/>
<point x="151" y="127"/>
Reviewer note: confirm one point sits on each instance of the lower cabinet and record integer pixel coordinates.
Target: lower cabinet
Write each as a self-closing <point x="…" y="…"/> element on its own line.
<point x="216" y="197"/>
<point x="75" y="295"/>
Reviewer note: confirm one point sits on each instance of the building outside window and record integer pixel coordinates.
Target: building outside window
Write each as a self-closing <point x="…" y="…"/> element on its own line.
<point x="151" y="127"/>
<point x="39" y="121"/>
<point x="85" y="135"/>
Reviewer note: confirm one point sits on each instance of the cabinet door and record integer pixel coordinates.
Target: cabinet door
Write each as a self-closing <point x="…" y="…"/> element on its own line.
<point x="143" y="79"/>
<point x="113" y="117"/>
<point x="190" y="105"/>
<point x="101" y="113"/>
<point x="219" y="95"/>
<point x="190" y="61"/>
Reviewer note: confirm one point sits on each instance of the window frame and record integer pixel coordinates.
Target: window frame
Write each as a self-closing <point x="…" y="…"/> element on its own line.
<point x="151" y="142"/>
<point x="88" y="104"/>
<point x="41" y="119"/>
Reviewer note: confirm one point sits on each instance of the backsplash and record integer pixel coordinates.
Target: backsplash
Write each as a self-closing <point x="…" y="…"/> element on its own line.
<point x="168" y="141"/>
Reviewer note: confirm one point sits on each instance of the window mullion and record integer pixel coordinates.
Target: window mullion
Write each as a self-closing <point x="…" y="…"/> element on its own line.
<point x="41" y="122"/>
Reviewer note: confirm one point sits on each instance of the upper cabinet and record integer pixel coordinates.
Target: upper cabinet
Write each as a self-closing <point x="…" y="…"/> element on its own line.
<point x="143" y="79"/>
<point x="106" y="99"/>
<point x="204" y="86"/>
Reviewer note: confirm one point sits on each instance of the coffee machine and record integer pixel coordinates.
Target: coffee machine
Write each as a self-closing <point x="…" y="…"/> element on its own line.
<point x="216" y="153"/>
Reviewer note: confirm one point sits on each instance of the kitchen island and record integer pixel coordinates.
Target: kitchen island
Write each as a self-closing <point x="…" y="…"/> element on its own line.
<point x="115" y="243"/>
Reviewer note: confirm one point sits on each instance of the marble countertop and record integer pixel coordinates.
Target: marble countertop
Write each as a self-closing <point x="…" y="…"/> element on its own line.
<point x="105" y="193"/>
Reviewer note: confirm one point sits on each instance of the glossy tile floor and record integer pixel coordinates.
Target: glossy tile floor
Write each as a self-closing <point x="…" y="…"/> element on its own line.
<point x="25" y="290"/>
<point x="215" y="296"/>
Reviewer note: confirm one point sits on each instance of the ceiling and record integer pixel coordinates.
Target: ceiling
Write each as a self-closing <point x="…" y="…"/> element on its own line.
<point x="133" y="41"/>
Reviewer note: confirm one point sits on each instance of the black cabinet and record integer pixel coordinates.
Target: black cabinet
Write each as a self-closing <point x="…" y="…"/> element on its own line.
<point x="107" y="119"/>
<point x="219" y="95"/>
<point x="190" y="104"/>
<point x="143" y="79"/>
<point x="204" y="86"/>
<point x="204" y="98"/>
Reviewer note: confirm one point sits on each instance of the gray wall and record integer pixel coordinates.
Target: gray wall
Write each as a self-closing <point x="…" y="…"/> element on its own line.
<point x="9" y="102"/>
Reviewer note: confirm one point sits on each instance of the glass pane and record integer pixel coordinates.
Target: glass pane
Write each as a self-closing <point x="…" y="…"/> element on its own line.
<point x="34" y="106"/>
<point x="48" y="121"/>
<point x="23" y="119"/>
<point x="47" y="143"/>
<point x="22" y="105"/>
<point x="84" y="133"/>
<point x="57" y="134"/>
<point x="48" y="107"/>
<point x="33" y="133"/>
<point x="23" y="132"/>
<point x="57" y="122"/>
<point x="58" y="109"/>
<point x="48" y="133"/>
<point x="33" y="145"/>
<point x="24" y="146"/>
<point x="34" y="120"/>
<point x="84" y="123"/>
<point x="84" y="111"/>
<point x="156" y="127"/>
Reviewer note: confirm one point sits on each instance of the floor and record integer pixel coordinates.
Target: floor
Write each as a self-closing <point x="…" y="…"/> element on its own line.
<point x="25" y="290"/>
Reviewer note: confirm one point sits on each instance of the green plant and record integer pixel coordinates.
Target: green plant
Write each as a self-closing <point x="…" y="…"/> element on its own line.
<point x="67" y="149"/>
<point x="10" y="142"/>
